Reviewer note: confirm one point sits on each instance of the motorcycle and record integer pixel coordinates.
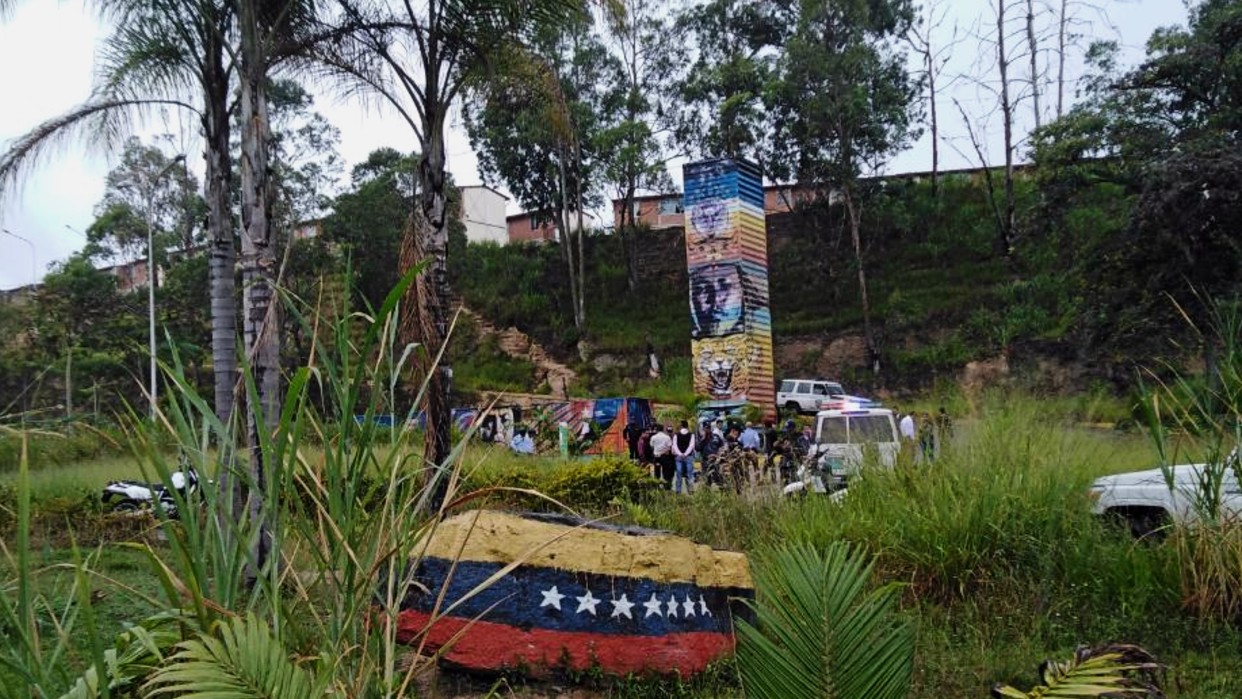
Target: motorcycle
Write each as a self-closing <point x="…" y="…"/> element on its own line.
<point x="816" y="474"/>
<point x="134" y="496"/>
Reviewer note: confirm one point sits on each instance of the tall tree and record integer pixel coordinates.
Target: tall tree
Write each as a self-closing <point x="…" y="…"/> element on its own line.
<point x="721" y="91"/>
<point x="1167" y="132"/>
<point x="164" y="55"/>
<point x="366" y="221"/>
<point x="538" y="129"/>
<point x="933" y="53"/>
<point x="420" y="57"/>
<point x="632" y="147"/>
<point x="146" y="188"/>
<point x="842" y="102"/>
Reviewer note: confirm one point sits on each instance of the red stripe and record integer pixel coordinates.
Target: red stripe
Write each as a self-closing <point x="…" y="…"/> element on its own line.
<point x="490" y="646"/>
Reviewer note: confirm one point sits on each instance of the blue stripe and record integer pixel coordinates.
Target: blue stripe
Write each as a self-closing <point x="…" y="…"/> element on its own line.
<point x="524" y="599"/>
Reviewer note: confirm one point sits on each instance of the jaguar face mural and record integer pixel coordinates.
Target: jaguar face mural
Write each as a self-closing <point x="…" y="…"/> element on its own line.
<point x="727" y="259"/>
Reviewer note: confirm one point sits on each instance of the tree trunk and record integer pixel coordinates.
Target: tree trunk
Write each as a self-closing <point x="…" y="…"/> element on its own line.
<point x="424" y="309"/>
<point x="581" y="232"/>
<point x="1033" y="46"/>
<point x="567" y="241"/>
<point x="854" y="215"/>
<point x="935" y="126"/>
<point x="1062" y="30"/>
<point x="222" y="261"/>
<point x="629" y="227"/>
<point x="260" y="315"/>
<point x="1007" y="222"/>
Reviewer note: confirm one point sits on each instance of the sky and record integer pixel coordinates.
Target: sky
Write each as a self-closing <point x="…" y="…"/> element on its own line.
<point x="48" y="50"/>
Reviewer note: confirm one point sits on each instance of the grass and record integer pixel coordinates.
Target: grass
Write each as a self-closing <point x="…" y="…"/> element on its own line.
<point x="1000" y="562"/>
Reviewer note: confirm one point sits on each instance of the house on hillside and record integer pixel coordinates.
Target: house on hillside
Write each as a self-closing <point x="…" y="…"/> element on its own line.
<point x="483" y="213"/>
<point x="532" y="227"/>
<point x="659" y="211"/>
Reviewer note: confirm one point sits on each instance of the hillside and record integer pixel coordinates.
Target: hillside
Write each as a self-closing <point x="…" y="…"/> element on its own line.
<point x="942" y="296"/>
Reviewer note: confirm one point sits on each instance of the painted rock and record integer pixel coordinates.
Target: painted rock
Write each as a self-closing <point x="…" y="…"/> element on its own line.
<point x="572" y="594"/>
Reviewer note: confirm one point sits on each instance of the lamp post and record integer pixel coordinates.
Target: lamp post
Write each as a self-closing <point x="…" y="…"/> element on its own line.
<point x="155" y="390"/>
<point x="34" y="274"/>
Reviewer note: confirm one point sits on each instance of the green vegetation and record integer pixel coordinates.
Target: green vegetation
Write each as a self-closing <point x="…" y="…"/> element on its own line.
<point x="997" y="560"/>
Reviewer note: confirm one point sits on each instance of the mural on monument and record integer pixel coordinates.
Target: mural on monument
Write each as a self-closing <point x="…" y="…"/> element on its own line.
<point x="727" y="261"/>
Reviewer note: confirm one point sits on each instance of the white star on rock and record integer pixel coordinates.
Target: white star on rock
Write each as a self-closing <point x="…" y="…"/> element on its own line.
<point x="622" y="607"/>
<point x="653" y="606"/>
<point x="587" y="602"/>
<point x="552" y="598"/>
<point x="670" y="609"/>
<point x="703" y="610"/>
<point x="687" y="607"/>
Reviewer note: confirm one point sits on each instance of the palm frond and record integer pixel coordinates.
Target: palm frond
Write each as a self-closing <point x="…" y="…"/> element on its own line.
<point x="138" y="651"/>
<point x="820" y="632"/>
<point x="103" y="124"/>
<point x="1115" y="671"/>
<point x="144" y="58"/>
<point x="242" y="660"/>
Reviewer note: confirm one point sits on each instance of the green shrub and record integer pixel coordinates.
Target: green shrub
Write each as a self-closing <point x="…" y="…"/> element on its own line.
<point x="594" y="485"/>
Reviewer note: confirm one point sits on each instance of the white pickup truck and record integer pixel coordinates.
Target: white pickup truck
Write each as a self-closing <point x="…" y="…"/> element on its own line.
<point x="1146" y="502"/>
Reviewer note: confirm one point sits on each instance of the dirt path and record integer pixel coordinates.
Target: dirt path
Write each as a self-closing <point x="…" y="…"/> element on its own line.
<point x="519" y="345"/>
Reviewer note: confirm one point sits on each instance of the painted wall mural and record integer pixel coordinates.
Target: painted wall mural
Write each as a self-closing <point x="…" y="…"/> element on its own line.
<point x="727" y="259"/>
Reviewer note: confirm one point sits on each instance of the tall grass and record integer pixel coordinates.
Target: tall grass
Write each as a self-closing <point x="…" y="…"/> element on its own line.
<point x="345" y="508"/>
<point x="1200" y="414"/>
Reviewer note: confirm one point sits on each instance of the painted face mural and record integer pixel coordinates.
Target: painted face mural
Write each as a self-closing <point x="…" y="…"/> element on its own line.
<point x="709" y="221"/>
<point x="716" y="301"/>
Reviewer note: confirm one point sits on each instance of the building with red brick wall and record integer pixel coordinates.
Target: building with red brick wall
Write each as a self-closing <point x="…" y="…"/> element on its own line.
<point x="531" y="227"/>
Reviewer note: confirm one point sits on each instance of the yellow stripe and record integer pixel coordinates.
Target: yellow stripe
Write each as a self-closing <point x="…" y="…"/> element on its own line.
<point x="501" y="537"/>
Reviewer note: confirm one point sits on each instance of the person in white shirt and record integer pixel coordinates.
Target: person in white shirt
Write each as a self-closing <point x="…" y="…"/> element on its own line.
<point x="906" y="426"/>
<point x="662" y="451"/>
<point x="683" y="454"/>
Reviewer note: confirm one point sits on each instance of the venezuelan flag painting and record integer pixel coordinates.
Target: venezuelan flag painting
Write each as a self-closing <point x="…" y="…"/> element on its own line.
<point x="582" y="596"/>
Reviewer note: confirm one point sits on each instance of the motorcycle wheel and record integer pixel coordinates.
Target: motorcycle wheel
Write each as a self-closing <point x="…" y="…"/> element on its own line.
<point x="125" y="506"/>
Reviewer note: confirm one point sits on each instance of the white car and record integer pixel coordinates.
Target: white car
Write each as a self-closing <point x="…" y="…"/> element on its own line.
<point x="804" y="395"/>
<point x="1146" y="502"/>
<point x="813" y="395"/>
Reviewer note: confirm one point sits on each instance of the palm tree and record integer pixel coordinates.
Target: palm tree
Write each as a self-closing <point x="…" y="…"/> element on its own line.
<point x="420" y="57"/>
<point x="161" y="55"/>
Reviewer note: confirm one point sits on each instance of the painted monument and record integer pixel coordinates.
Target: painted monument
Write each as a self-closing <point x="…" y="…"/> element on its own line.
<point x="727" y="259"/>
<point x="503" y="591"/>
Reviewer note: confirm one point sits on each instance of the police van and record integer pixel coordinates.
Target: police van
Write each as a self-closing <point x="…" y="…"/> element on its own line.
<point x="846" y="438"/>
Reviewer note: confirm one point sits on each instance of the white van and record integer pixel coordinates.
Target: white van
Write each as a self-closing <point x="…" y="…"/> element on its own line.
<point x="843" y="441"/>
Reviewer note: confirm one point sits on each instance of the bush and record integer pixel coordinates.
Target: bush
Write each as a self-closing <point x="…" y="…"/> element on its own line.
<point x="592" y="486"/>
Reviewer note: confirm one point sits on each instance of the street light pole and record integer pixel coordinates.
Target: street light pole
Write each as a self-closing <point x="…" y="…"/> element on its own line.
<point x="34" y="274"/>
<point x="155" y="387"/>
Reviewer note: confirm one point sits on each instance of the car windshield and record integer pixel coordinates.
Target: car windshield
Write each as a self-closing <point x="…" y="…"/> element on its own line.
<point x="871" y="428"/>
<point x="832" y="430"/>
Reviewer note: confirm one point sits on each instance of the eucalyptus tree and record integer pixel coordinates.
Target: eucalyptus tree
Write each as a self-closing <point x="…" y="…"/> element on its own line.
<point x="720" y="108"/>
<point x="420" y="57"/>
<point x="842" y="101"/>
<point x="540" y="128"/>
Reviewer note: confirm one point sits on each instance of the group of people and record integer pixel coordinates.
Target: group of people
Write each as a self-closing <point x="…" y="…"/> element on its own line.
<point x="681" y="456"/>
<point x="922" y="433"/>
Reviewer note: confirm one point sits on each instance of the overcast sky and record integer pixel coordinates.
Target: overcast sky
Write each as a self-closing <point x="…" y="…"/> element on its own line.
<point x="47" y="50"/>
